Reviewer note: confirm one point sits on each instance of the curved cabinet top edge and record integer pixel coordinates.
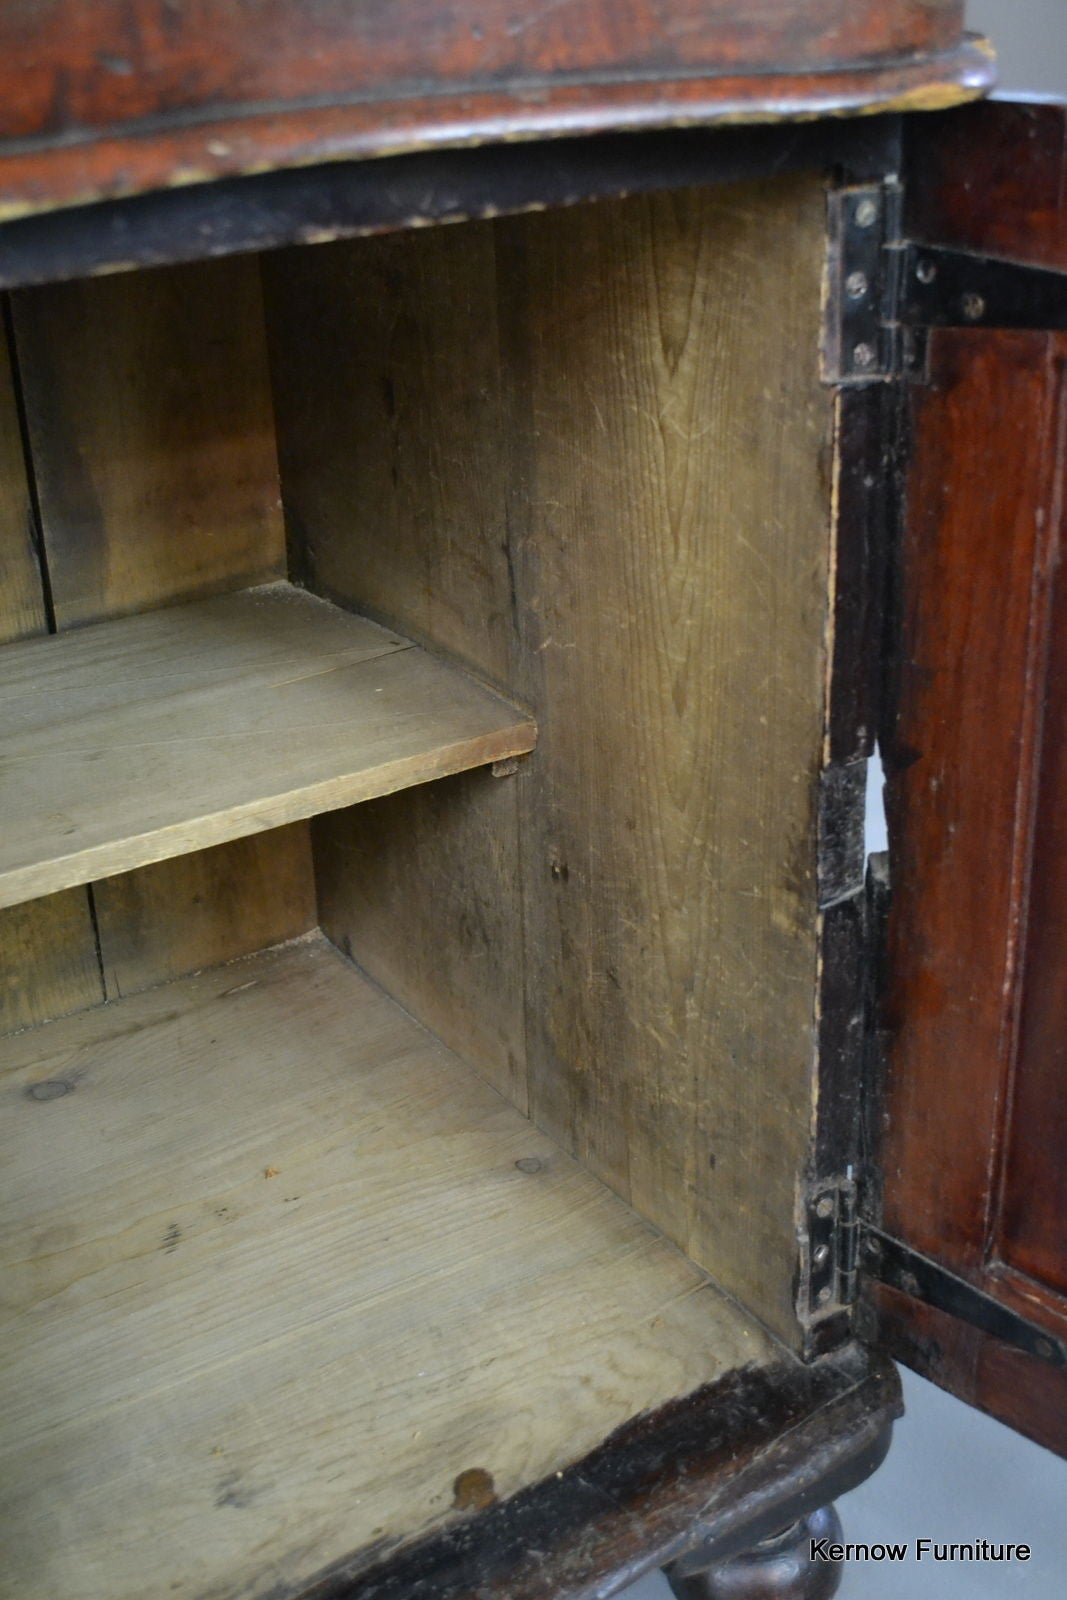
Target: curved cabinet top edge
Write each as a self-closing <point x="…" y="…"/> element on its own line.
<point x="82" y="165"/>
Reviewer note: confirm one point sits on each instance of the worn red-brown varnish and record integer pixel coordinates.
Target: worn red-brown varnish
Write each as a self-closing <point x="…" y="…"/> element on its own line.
<point x="119" y="96"/>
<point x="992" y="179"/>
<point x="74" y="65"/>
<point x="975" y="536"/>
<point x="975" y="1132"/>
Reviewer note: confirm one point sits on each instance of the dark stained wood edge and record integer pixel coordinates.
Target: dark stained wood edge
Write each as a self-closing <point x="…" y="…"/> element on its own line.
<point x="1015" y="1388"/>
<point x="865" y="466"/>
<point x="863" y="470"/>
<point x="716" y="1466"/>
<point x="37" y="175"/>
<point x="348" y="199"/>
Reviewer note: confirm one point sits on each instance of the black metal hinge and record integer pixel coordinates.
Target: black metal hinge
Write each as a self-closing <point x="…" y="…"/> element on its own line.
<point x="862" y="337"/>
<point x="884" y="292"/>
<point x="954" y="289"/>
<point x="889" y="1261"/>
<point x="840" y="1250"/>
<point x="828" y="1250"/>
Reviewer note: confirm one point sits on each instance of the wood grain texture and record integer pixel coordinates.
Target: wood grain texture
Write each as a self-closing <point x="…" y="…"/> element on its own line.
<point x="22" y="607"/>
<point x="148" y="404"/>
<point x="672" y="552"/>
<point x="1033" y="1201"/>
<point x="422" y="888"/>
<point x="992" y="180"/>
<point x="274" y="1280"/>
<point x="48" y="959"/>
<point x="720" y="1466"/>
<point x="974" y="1118"/>
<point x="1018" y="1389"/>
<point x="202" y="910"/>
<point x="974" y="564"/>
<point x="156" y="735"/>
<point x="390" y="392"/>
<point x="161" y="95"/>
<point x="49" y="964"/>
<point x="410" y="428"/>
<point x="649" y="442"/>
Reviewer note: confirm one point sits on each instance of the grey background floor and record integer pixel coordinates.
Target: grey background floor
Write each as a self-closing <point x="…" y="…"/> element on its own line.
<point x="952" y="1474"/>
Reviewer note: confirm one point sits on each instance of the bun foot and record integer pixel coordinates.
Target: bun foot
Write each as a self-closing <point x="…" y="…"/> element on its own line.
<point x="778" y="1568"/>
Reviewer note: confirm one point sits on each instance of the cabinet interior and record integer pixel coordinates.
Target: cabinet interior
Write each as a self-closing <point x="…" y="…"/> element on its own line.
<point x="413" y="701"/>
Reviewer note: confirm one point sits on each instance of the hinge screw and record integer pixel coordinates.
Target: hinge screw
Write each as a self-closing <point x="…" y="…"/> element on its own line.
<point x="822" y="1255"/>
<point x="863" y="355"/>
<point x="823" y="1296"/>
<point x="856" y="285"/>
<point x="926" y="271"/>
<point x="866" y="214"/>
<point x="824" y="1207"/>
<point x="973" y="307"/>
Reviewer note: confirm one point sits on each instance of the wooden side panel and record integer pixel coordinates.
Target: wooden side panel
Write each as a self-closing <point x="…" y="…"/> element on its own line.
<point x="421" y="888"/>
<point x="638" y="383"/>
<point x="673" y="557"/>
<point x="149" y="416"/>
<point x="204" y="909"/>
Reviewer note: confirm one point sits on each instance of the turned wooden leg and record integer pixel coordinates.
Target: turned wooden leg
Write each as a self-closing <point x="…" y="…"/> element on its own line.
<point x="778" y="1568"/>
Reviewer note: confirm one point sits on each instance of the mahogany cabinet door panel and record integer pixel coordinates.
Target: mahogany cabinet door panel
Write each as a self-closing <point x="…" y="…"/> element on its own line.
<point x="974" y="1130"/>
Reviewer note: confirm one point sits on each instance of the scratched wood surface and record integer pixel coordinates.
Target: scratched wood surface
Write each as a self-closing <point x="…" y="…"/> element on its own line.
<point x="624" y="407"/>
<point x="204" y="909"/>
<point x="48" y="958"/>
<point x="281" y="1270"/>
<point x="163" y="94"/>
<point x="144" y="433"/>
<point x="975" y="1114"/>
<point x="152" y="736"/>
<point x="149" y="415"/>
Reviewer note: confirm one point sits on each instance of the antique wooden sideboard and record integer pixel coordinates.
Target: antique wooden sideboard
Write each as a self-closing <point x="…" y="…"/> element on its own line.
<point x="475" y="1125"/>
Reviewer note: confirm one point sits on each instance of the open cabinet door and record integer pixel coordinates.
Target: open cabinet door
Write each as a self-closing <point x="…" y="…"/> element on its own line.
<point x="969" y="1233"/>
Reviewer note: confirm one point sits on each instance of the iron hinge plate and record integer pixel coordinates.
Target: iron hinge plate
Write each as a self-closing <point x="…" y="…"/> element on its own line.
<point x="941" y="288"/>
<point x="828" y="1250"/>
<point x="861" y="342"/>
<point x="839" y="1251"/>
<point x="888" y="1261"/>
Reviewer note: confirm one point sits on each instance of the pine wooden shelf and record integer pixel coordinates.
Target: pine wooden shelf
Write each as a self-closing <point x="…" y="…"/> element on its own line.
<point x="147" y="737"/>
<point x="279" y="1267"/>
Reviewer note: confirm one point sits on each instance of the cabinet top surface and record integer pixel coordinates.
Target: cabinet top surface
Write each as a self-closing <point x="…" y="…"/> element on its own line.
<point x="110" y="99"/>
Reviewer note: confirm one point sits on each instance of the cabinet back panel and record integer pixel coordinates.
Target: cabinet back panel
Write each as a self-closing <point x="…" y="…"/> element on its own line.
<point x="585" y="453"/>
<point x="148" y="412"/>
<point x="151" y="455"/>
<point x="22" y="607"/>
